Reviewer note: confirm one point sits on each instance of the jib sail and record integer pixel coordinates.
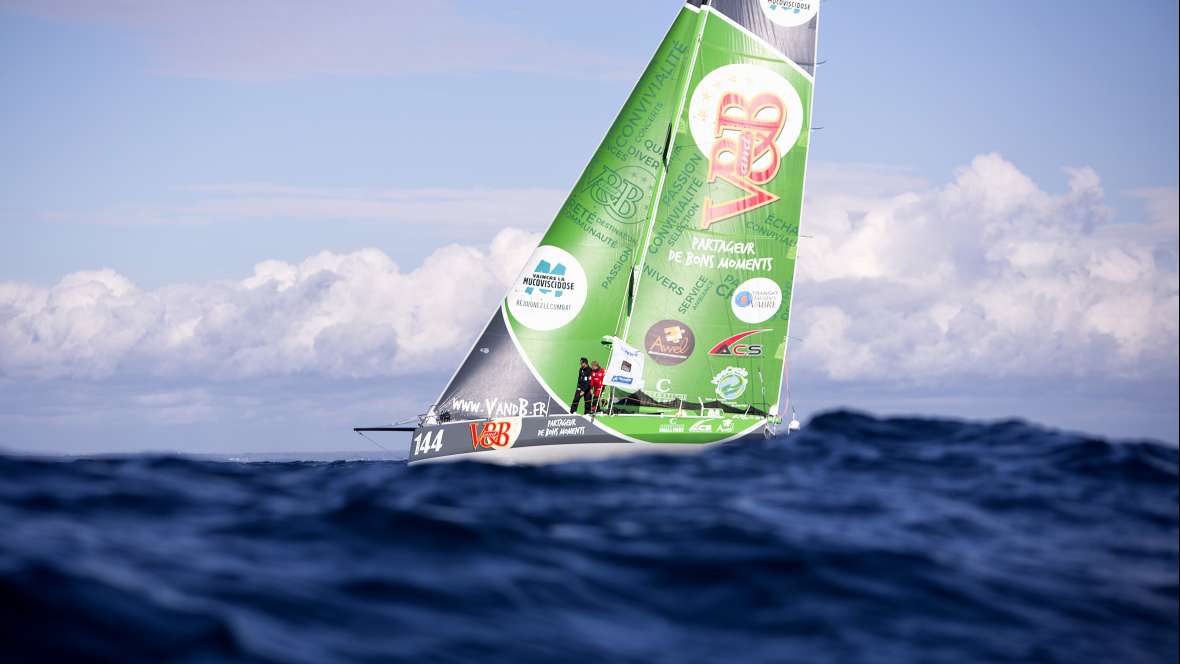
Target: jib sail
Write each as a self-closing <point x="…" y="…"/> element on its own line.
<point x="574" y="288"/>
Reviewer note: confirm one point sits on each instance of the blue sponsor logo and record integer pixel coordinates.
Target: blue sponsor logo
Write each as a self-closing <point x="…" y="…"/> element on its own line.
<point x="547" y="279"/>
<point x="785" y="6"/>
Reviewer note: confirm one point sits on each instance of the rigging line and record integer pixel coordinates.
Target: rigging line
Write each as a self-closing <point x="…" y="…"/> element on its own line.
<point x="362" y="435"/>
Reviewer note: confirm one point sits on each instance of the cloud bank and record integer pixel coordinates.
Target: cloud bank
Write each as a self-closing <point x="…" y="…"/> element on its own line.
<point x="339" y="315"/>
<point x="987" y="275"/>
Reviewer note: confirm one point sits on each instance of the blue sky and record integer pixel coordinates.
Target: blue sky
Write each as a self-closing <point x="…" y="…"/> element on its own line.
<point x="178" y="146"/>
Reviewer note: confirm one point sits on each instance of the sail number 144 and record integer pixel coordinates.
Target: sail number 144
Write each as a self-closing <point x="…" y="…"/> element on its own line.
<point x="425" y="442"/>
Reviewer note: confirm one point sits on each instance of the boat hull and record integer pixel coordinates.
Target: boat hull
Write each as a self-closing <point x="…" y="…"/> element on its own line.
<point x="560" y="438"/>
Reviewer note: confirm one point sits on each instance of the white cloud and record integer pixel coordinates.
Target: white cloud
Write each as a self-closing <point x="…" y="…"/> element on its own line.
<point x="987" y="275"/>
<point x="1163" y="204"/>
<point x="990" y="276"/>
<point x="280" y="39"/>
<point x="350" y="315"/>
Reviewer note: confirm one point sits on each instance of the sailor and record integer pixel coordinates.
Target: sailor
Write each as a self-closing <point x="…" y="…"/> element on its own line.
<point x="583" y="392"/>
<point x="597" y="375"/>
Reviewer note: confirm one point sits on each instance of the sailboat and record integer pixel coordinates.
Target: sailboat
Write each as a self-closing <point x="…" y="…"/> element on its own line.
<point x="673" y="256"/>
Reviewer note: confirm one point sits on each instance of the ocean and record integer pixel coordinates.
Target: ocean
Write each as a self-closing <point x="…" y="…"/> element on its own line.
<point x="858" y="539"/>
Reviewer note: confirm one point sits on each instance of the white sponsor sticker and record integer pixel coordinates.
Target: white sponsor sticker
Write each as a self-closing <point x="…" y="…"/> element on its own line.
<point x="550" y="291"/>
<point x="731" y="382"/>
<point x="756" y="300"/>
<point x="790" y="13"/>
<point x="733" y="88"/>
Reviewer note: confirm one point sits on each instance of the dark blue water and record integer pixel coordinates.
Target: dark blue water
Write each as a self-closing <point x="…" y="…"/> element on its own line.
<point x="857" y="540"/>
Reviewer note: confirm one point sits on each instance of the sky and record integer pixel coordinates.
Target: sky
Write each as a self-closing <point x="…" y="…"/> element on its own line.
<point x="235" y="227"/>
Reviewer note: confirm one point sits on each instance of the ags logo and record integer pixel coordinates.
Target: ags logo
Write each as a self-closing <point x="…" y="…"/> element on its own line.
<point x="734" y="345"/>
<point x="744" y="152"/>
<point x="494" y="434"/>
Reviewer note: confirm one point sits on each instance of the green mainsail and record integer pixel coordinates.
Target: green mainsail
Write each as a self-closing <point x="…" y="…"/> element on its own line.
<point x="680" y="236"/>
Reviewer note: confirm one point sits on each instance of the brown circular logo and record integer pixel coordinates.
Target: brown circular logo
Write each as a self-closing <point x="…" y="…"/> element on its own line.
<point x="669" y="342"/>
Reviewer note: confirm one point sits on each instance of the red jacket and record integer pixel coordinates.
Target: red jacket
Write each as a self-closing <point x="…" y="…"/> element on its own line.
<point x="596" y="378"/>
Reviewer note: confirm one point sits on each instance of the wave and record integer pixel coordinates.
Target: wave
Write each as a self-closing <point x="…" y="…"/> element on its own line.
<point x="856" y="539"/>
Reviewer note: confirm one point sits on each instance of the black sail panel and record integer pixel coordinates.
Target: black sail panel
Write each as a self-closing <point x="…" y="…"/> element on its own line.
<point x="788" y="26"/>
<point x="493" y="382"/>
